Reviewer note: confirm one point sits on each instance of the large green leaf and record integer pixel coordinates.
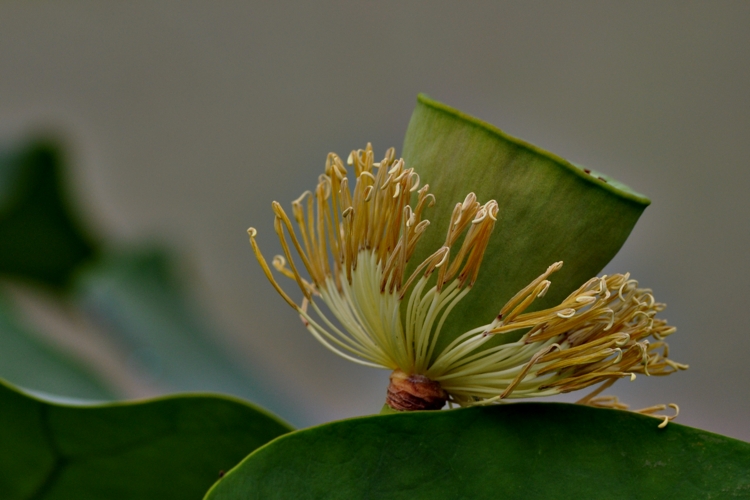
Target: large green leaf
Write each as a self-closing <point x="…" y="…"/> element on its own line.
<point x="523" y="451"/>
<point x="26" y="360"/>
<point x="139" y="298"/>
<point x="41" y="238"/>
<point x="166" y="448"/>
<point x="550" y="209"/>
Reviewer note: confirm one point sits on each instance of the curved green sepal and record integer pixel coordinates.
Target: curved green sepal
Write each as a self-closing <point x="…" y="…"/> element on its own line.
<point x="172" y="447"/>
<point x="41" y="236"/>
<point x="520" y="451"/>
<point x="550" y="209"/>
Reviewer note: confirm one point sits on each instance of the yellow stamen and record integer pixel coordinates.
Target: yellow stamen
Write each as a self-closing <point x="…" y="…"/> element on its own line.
<point x="355" y="238"/>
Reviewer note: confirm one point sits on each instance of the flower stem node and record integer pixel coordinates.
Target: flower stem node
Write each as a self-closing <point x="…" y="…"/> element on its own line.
<point x="414" y="392"/>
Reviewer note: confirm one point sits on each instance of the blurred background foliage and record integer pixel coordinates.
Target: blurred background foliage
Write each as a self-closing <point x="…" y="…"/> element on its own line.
<point x="133" y="296"/>
<point x="180" y="123"/>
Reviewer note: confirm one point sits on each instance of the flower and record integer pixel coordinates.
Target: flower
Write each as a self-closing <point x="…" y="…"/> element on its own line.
<point x="355" y="239"/>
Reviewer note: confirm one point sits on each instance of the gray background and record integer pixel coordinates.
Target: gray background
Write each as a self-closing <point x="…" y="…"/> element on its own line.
<point x="186" y="120"/>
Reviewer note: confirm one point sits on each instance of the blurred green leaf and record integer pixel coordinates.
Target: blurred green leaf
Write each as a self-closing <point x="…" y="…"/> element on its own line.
<point x="138" y="297"/>
<point x="523" y="451"/>
<point x="173" y="447"/>
<point x="550" y="210"/>
<point x="41" y="238"/>
<point x="28" y="361"/>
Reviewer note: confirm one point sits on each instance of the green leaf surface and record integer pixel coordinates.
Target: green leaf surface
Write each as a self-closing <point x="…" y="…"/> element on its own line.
<point x="520" y="451"/>
<point x="550" y="209"/>
<point x="139" y="299"/>
<point x="26" y="360"/>
<point x="41" y="237"/>
<point x="173" y="447"/>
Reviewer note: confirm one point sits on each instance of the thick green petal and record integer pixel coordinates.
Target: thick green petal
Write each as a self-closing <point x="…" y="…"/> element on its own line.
<point x="523" y="451"/>
<point x="550" y="209"/>
<point x="173" y="447"/>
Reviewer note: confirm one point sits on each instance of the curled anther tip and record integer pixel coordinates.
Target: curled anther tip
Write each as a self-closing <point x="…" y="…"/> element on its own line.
<point x="277" y="209"/>
<point x="409" y="217"/>
<point x="480" y="216"/>
<point x="618" y="356"/>
<point x="301" y="197"/>
<point x="421" y="227"/>
<point x="445" y="252"/>
<point x="622" y="339"/>
<point x="675" y="408"/>
<point x="252" y="232"/>
<point x="468" y="201"/>
<point x="367" y="174"/>
<point x="415" y="182"/>
<point x="632" y="376"/>
<point x="492" y="209"/>
<point x="667" y="418"/>
<point x="566" y="313"/>
<point x="555" y="267"/>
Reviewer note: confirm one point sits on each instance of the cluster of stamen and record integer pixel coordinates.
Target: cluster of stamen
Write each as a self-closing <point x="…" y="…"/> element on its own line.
<point x="598" y="334"/>
<point x="355" y="244"/>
